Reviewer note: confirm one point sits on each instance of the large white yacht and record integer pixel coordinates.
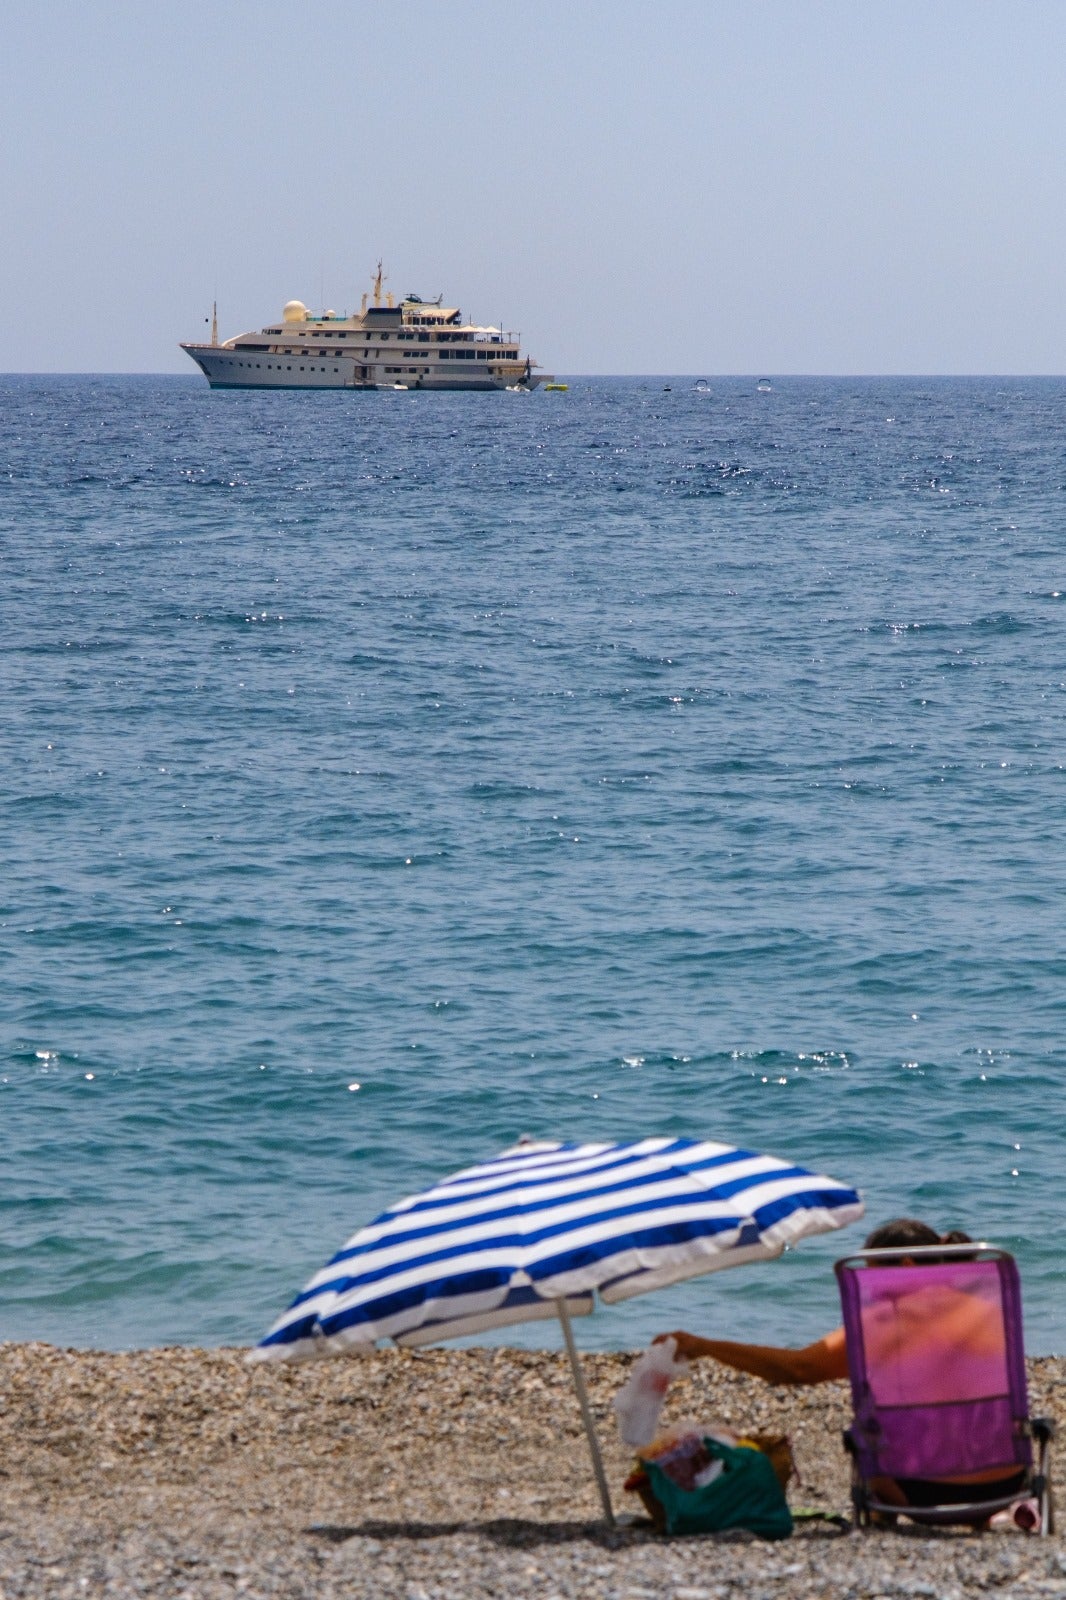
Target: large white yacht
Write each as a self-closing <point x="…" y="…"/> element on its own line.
<point x="416" y="344"/>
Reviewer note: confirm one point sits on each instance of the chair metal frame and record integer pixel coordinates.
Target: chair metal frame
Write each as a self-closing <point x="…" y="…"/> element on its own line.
<point x="860" y="1440"/>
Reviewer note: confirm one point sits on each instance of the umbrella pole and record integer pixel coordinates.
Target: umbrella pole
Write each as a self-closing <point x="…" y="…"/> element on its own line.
<point x="586" y="1411"/>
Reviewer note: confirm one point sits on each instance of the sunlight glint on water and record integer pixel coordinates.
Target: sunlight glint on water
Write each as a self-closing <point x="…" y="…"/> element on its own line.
<point x="388" y="776"/>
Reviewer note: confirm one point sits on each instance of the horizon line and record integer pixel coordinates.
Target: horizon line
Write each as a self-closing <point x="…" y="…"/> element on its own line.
<point x="755" y="374"/>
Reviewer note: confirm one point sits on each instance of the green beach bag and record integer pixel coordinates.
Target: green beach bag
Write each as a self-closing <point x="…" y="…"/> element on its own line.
<point x="745" y="1494"/>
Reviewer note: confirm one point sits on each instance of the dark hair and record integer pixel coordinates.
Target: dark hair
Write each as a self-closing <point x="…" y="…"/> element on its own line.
<point x="908" y="1231"/>
<point x="901" y="1231"/>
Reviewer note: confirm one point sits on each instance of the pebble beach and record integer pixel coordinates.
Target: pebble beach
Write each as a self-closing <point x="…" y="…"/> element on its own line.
<point x="426" y="1475"/>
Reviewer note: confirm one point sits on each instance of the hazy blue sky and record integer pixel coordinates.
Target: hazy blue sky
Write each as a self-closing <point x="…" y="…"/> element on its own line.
<point x="701" y="186"/>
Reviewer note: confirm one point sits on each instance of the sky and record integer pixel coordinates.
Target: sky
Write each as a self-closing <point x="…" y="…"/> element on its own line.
<point x="684" y="186"/>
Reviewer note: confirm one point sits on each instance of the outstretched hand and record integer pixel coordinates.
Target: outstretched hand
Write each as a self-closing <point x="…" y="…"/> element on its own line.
<point x="688" y="1346"/>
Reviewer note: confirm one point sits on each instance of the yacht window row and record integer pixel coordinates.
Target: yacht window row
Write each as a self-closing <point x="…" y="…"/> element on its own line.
<point x="269" y="365"/>
<point x="478" y="355"/>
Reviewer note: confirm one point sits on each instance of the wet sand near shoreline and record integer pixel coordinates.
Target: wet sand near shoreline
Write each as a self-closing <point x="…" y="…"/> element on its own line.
<point x="426" y="1475"/>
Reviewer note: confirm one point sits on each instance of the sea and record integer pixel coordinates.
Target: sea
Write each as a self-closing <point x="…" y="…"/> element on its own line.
<point x="387" y="776"/>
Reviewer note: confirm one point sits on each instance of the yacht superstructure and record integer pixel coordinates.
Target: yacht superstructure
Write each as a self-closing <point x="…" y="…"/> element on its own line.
<point x="415" y="344"/>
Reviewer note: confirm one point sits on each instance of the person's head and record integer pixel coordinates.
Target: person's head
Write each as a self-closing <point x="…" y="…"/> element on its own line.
<point x="907" y="1232"/>
<point x="902" y="1231"/>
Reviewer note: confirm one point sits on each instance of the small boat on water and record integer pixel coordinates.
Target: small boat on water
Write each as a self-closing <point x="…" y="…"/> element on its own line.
<point x="416" y="344"/>
<point x="764" y="386"/>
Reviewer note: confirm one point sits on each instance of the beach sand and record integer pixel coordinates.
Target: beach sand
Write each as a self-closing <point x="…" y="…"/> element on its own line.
<point x="427" y="1475"/>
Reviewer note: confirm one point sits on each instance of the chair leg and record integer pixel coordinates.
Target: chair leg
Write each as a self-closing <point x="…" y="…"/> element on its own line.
<point x="1047" y="1497"/>
<point x="860" y="1510"/>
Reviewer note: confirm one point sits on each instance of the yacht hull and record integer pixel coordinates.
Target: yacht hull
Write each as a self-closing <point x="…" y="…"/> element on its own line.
<point x="231" y="369"/>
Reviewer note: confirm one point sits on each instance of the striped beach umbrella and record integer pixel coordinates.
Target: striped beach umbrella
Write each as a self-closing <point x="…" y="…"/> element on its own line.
<point x="541" y="1230"/>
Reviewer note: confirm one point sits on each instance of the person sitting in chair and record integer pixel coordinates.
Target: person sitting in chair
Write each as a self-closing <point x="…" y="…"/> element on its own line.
<point x="963" y="1323"/>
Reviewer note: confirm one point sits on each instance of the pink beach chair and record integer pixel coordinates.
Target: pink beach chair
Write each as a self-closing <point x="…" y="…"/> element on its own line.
<point x="942" y="1432"/>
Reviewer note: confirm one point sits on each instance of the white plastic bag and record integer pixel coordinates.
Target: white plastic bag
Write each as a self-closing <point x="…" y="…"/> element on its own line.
<point x="640" y="1399"/>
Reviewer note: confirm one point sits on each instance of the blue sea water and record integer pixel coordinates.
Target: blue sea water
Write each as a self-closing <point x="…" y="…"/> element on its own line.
<point x="386" y="776"/>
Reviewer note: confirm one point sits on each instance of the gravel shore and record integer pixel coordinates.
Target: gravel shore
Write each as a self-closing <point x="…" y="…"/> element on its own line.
<point x="425" y="1475"/>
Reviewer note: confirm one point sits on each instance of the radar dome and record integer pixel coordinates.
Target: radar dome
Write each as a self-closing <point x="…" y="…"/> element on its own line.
<point x="295" y="311"/>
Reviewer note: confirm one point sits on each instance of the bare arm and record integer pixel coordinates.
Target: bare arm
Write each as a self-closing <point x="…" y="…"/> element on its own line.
<point x="816" y="1363"/>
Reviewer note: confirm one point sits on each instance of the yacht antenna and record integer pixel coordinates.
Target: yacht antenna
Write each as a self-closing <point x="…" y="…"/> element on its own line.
<point x="378" y="281"/>
<point x="214" y="322"/>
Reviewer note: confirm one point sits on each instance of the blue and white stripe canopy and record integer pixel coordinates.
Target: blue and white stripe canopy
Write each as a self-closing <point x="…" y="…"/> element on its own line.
<point x="506" y="1241"/>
